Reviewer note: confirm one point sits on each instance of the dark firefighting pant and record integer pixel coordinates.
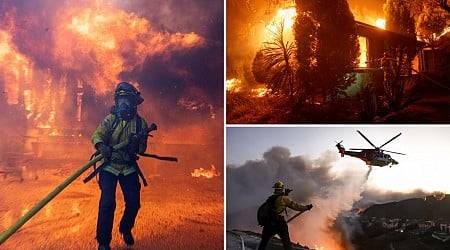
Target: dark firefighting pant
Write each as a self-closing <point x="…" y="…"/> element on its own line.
<point x="280" y="228"/>
<point x="131" y="187"/>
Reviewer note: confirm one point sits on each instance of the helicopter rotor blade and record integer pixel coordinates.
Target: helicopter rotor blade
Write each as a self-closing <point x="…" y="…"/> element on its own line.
<point x="367" y="139"/>
<point x="339" y="142"/>
<point x="360" y="149"/>
<point x="393" y="152"/>
<point x="390" y="140"/>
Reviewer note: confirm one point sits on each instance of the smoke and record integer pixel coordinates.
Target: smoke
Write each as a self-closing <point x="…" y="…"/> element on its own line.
<point x="171" y="50"/>
<point x="314" y="181"/>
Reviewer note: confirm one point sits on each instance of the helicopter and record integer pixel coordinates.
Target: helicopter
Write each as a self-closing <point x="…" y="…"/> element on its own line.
<point x="372" y="157"/>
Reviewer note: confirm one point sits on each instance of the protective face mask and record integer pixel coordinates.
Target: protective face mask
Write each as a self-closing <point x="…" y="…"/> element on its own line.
<point x="124" y="108"/>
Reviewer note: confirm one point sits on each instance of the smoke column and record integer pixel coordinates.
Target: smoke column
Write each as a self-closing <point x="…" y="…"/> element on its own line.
<point x="314" y="181"/>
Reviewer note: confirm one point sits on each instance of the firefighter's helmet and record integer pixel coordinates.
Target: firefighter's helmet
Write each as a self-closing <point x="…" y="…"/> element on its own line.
<point x="126" y="89"/>
<point x="278" y="185"/>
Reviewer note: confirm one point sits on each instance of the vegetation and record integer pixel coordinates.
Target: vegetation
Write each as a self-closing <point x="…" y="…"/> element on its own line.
<point x="308" y="77"/>
<point x="274" y="64"/>
<point x="327" y="47"/>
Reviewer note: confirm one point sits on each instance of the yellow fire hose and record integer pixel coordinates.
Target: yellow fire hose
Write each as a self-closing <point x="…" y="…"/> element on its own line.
<point x="11" y="230"/>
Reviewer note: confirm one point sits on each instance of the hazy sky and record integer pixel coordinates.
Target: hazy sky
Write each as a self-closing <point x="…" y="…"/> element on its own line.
<point x="425" y="165"/>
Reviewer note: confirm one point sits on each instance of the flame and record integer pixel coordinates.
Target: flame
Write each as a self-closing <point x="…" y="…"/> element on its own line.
<point x="363" y="51"/>
<point x="286" y="16"/>
<point x="92" y="43"/>
<point x="201" y="172"/>
<point x="260" y="92"/>
<point x="232" y="85"/>
<point x="380" y="23"/>
<point x="14" y="67"/>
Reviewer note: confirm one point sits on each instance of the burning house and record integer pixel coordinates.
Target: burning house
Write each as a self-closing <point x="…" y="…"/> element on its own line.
<point x="58" y="70"/>
<point x="374" y="42"/>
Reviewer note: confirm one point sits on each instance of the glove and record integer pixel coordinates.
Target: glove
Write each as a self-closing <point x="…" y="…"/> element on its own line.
<point x="309" y="206"/>
<point x="133" y="144"/>
<point x="105" y="150"/>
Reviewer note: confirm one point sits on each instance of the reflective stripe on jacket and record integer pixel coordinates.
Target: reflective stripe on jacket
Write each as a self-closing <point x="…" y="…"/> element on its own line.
<point x="121" y="160"/>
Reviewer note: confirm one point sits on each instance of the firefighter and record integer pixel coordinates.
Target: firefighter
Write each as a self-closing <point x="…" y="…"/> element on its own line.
<point x="279" y="225"/>
<point x="121" y="124"/>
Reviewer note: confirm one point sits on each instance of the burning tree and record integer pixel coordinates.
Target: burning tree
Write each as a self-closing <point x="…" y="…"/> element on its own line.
<point x="327" y="46"/>
<point x="275" y="64"/>
<point x="432" y="24"/>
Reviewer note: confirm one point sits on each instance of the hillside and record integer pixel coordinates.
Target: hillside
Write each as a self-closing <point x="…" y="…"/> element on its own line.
<point x="429" y="208"/>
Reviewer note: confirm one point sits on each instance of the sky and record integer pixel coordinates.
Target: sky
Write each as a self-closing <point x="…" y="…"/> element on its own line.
<point x="425" y="165"/>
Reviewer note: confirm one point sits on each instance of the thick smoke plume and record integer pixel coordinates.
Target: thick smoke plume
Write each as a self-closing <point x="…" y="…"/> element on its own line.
<point x="52" y="51"/>
<point x="314" y="181"/>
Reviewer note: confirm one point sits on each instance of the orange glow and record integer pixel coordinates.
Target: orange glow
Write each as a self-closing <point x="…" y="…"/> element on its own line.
<point x="232" y="85"/>
<point x="380" y="23"/>
<point x="286" y="16"/>
<point x="363" y="51"/>
<point x="260" y="92"/>
<point x="15" y="68"/>
<point x="201" y="172"/>
<point x="95" y="42"/>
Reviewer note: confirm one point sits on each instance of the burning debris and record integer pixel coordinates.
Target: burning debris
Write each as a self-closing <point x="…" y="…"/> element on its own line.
<point x="208" y="174"/>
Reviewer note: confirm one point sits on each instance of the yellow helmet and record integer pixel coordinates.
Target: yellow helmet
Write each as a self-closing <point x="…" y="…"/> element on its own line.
<point x="278" y="185"/>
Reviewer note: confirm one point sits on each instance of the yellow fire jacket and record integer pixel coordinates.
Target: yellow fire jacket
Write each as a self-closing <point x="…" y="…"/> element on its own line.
<point x="284" y="201"/>
<point x="121" y="159"/>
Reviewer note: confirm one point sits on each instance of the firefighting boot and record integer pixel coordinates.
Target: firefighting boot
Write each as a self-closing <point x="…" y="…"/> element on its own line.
<point x="104" y="247"/>
<point x="128" y="238"/>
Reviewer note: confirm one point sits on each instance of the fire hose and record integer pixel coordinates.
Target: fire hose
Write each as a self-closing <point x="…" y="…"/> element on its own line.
<point x="19" y="223"/>
<point x="295" y="216"/>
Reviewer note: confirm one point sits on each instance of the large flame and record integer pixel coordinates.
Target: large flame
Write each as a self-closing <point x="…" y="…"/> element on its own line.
<point x="201" y="172"/>
<point x="92" y="43"/>
<point x="285" y="16"/>
<point x="14" y="68"/>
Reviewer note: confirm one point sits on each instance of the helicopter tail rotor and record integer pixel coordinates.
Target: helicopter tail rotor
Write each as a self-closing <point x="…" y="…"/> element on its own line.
<point x="340" y="148"/>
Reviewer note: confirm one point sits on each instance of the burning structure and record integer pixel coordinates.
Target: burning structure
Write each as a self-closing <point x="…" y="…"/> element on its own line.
<point x="58" y="70"/>
<point x="59" y="64"/>
<point x="261" y="61"/>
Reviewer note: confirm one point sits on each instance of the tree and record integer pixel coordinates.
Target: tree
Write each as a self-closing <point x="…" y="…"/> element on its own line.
<point x="399" y="19"/>
<point x="275" y="64"/>
<point x="430" y="19"/>
<point x="327" y="45"/>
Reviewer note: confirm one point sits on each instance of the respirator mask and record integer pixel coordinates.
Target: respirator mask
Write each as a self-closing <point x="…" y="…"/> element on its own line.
<point x="126" y="98"/>
<point x="124" y="107"/>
